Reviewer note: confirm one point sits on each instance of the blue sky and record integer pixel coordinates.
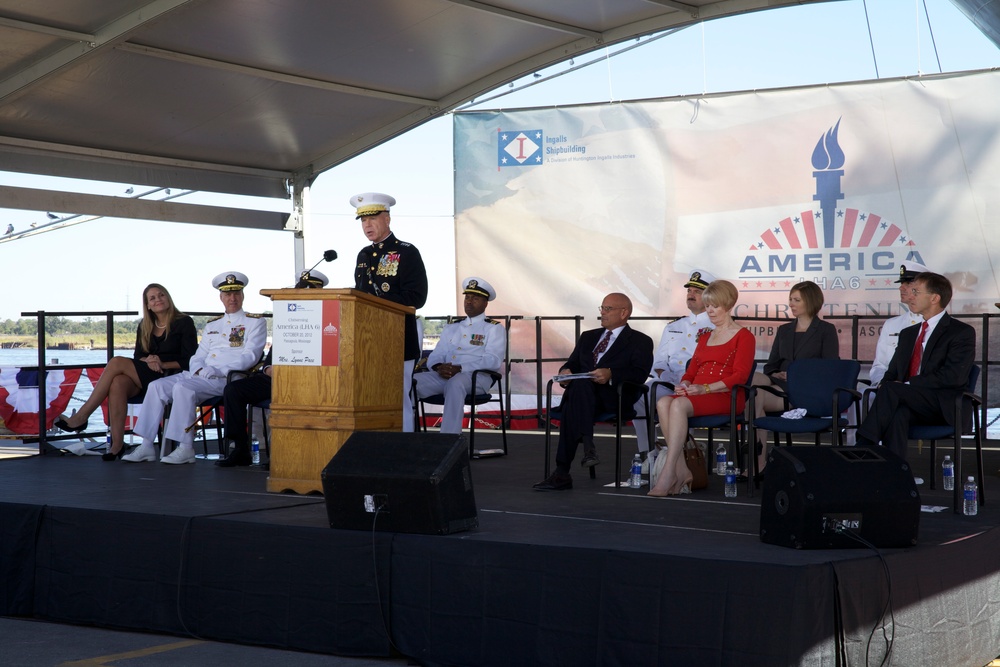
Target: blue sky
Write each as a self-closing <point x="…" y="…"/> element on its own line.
<point x="105" y="264"/>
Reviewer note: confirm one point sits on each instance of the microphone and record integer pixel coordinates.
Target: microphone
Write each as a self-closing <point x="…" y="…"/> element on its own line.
<point x="328" y="256"/>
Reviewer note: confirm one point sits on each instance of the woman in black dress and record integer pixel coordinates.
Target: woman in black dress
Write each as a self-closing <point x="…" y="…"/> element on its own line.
<point x="165" y="340"/>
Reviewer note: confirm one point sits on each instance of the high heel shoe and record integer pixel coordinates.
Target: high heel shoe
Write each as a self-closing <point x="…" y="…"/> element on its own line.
<point x="63" y="425"/>
<point x="113" y="456"/>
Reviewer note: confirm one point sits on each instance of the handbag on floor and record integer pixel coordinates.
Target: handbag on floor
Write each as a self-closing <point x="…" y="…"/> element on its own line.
<point x="694" y="457"/>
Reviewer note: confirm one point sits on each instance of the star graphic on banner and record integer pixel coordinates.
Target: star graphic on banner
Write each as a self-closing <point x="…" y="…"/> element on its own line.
<point x="760" y="244"/>
<point x="888" y="281"/>
<point x="788" y="283"/>
<point x="840" y="214"/>
<point x="862" y="217"/>
<point x="745" y="284"/>
<point x="796" y="220"/>
<point x="872" y="282"/>
<point x="774" y="284"/>
<point x="760" y="284"/>
<point x="818" y="214"/>
<point x="503" y="160"/>
<point x="503" y="137"/>
<point x="777" y="230"/>
<point x="538" y="135"/>
<point x="902" y="239"/>
<point x="884" y="225"/>
<point x="538" y="159"/>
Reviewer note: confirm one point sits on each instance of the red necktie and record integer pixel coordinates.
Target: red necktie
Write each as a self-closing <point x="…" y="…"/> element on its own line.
<point x="601" y="347"/>
<point x="918" y="352"/>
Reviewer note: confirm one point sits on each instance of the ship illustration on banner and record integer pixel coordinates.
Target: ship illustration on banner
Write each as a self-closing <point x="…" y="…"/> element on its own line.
<point x="845" y="250"/>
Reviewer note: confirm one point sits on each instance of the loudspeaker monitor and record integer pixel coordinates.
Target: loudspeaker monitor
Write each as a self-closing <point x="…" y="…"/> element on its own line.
<point x="401" y="482"/>
<point x="812" y="495"/>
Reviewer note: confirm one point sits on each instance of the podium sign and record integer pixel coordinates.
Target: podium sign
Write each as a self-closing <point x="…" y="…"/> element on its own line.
<point x="306" y="333"/>
<point x="342" y="372"/>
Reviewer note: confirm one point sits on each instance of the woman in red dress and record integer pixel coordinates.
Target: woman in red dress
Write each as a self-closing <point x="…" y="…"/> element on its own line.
<point x="721" y="360"/>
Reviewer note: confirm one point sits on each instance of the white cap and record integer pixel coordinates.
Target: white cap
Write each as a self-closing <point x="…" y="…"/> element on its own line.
<point x="473" y="285"/>
<point x="312" y="278"/>
<point x="700" y="279"/>
<point x="370" y="203"/>
<point x="909" y="270"/>
<point x="230" y="281"/>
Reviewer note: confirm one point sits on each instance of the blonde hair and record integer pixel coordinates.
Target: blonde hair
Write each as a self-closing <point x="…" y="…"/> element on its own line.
<point x="149" y="319"/>
<point x="720" y="294"/>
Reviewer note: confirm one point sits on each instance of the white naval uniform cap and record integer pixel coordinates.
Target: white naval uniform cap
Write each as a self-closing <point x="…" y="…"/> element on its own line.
<point x="230" y="281"/>
<point x="370" y="203"/>
<point x="478" y="286"/>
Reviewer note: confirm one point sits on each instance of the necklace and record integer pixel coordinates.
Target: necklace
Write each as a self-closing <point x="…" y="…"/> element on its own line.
<point x="160" y="326"/>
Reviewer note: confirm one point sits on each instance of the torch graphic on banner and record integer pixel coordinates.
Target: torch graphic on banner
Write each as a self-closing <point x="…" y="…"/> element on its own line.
<point x="828" y="160"/>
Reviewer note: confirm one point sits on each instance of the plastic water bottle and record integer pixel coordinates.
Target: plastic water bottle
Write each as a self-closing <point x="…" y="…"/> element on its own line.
<point x="948" y="474"/>
<point x="971" y="494"/>
<point x="255" y="451"/>
<point x="720" y="460"/>
<point x="635" y="477"/>
<point x="107" y="440"/>
<point x="730" y="481"/>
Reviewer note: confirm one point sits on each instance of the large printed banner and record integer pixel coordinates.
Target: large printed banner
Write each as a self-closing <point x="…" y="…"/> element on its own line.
<point x="836" y="184"/>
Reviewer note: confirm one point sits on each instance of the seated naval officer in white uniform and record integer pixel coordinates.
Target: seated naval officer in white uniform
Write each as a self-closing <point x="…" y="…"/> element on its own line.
<point x="473" y="343"/>
<point x="677" y="344"/>
<point x="233" y="341"/>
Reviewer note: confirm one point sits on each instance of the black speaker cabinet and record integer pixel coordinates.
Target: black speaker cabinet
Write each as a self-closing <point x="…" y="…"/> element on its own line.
<point x="812" y="495"/>
<point x="402" y="483"/>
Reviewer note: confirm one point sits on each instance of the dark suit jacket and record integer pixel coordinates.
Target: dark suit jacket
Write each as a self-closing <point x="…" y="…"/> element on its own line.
<point x="818" y="342"/>
<point x="944" y="370"/>
<point x="630" y="357"/>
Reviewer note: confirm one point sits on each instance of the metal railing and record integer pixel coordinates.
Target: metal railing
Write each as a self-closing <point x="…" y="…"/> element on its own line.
<point x="40" y="316"/>
<point x="529" y="349"/>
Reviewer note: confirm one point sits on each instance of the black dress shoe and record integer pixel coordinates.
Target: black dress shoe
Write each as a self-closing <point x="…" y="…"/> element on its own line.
<point x="63" y="425"/>
<point x="237" y="457"/>
<point x="557" y="481"/>
<point x="590" y="459"/>
<point x="113" y="456"/>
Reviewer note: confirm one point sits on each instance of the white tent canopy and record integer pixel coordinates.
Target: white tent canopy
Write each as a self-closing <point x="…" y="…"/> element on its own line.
<point x="257" y="97"/>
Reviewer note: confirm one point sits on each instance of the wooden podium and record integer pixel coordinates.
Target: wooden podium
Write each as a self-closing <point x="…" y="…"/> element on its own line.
<point x="357" y="386"/>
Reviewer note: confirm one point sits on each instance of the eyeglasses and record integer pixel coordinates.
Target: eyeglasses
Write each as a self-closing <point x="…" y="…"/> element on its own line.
<point x="608" y="309"/>
<point x="915" y="292"/>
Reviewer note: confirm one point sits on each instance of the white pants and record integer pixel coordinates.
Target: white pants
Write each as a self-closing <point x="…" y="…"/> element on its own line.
<point x="185" y="392"/>
<point x="455" y="389"/>
<point x="641" y="435"/>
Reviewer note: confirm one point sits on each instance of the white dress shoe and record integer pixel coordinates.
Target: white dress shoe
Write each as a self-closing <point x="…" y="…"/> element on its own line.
<point x="180" y="455"/>
<point x="144" y="452"/>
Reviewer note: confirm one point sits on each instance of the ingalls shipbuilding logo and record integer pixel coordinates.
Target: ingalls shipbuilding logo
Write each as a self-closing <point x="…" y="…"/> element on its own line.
<point x="519" y="147"/>
<point x="854" y="255"/>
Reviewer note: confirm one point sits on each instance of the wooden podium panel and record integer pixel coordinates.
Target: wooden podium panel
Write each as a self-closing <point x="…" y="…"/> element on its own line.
<point x="314" y="409"/>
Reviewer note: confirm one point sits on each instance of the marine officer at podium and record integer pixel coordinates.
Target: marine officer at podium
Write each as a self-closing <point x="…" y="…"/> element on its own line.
<point x="393" y="270"/>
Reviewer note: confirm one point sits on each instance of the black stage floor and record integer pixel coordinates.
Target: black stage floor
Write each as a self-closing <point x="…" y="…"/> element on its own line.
<point x="591" y="576"/>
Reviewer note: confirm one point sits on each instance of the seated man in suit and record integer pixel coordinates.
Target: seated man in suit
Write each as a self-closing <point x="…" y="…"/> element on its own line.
<point x="473" y="343"/>
<point x="610" y="355"/>
<point x="928" y="371"/>
<point x="253" y="389"/>
<point x="232" y="341"/>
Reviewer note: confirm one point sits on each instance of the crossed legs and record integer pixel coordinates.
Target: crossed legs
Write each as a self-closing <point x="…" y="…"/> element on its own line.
<point x="674" y="412"/>
<point x="118" y="383"/>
